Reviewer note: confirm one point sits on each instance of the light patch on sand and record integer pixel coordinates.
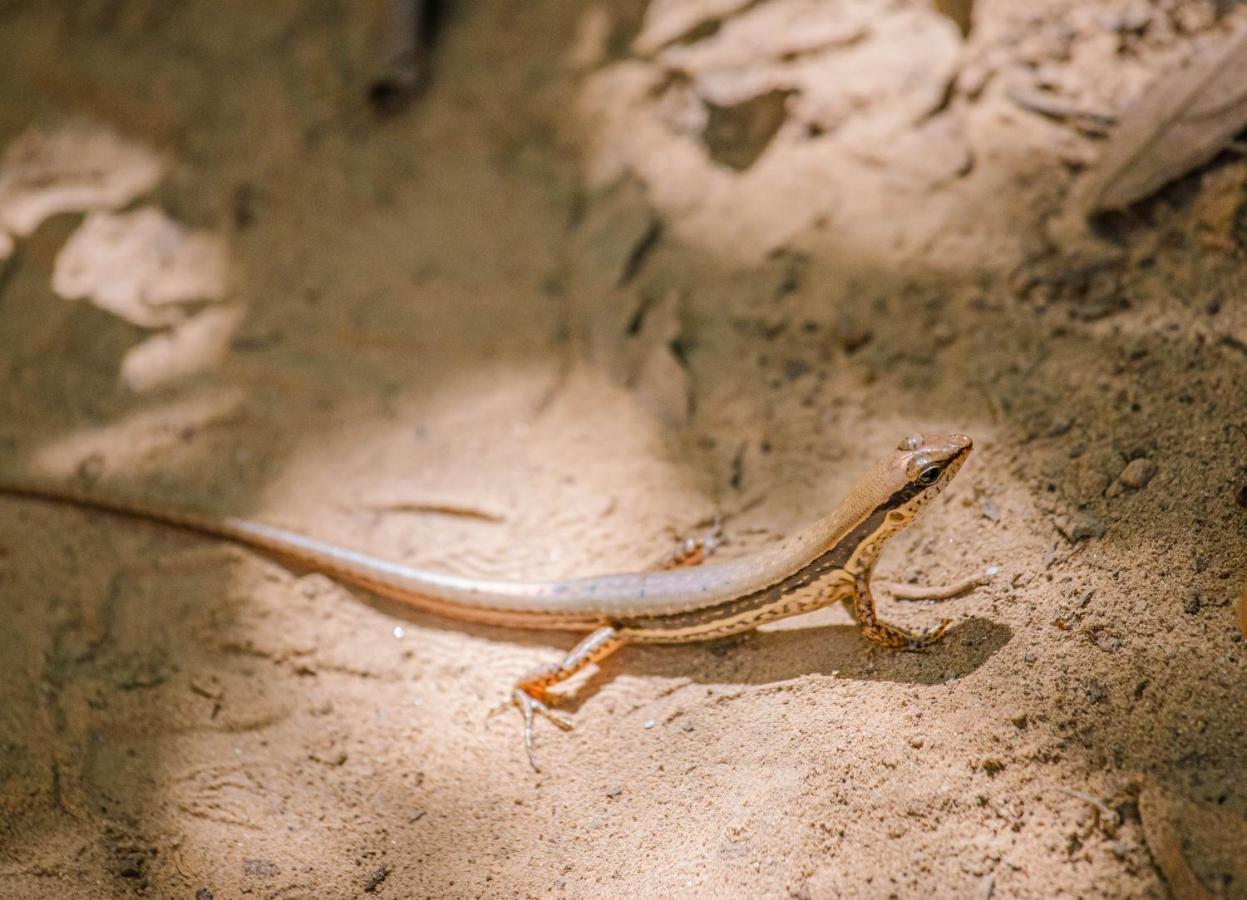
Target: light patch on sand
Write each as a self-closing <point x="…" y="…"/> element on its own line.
<point x="188" y="347"/>
<point x="141" y="266"/>
<point x="76" y="166"/>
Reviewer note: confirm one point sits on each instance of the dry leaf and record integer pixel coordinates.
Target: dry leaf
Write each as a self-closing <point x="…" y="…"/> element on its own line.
<point x="1182" y="121"/>
<point x="1163" y="840"/>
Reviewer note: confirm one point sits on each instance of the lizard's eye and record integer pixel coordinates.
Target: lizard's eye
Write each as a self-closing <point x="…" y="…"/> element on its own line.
<point x="929" y="475"/>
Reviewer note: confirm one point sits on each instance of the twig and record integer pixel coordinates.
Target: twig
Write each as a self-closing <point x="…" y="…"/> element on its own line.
<point x="1086" y="120"/>
<point x="1101" y="807"/>
<point x="441" y="509"/>
<point x="1165" y="844"/>
<point x="946" y="592"/>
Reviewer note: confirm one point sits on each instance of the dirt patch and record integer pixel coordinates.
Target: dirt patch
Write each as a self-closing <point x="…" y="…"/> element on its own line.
<point x="621" y="270"/>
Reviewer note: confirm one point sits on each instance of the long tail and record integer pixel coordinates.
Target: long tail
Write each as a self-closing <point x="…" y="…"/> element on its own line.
<point x="443" y="595"/>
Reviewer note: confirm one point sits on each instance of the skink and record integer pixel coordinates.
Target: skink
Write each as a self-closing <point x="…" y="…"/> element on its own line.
<point x="830" y="561"/>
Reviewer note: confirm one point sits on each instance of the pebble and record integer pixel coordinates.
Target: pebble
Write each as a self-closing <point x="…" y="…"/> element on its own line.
<point x="942" y="335"/>
<point x="850" y="335"/>
<point x="614" y="790"/>
<point x="1192" y="603"/>
<point x="1080" y="526"/>
<point x="1061" y="426"/>
<point x="1138" y="473"/>
<point x="990" y="511"/>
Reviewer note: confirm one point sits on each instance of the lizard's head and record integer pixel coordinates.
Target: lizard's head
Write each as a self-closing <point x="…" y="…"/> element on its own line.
<point x="902" y="483"/>
<point x="921" y="467"/>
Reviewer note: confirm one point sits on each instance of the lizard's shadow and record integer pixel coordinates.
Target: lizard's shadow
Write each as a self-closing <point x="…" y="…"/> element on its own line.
<point x="768" y="657"/>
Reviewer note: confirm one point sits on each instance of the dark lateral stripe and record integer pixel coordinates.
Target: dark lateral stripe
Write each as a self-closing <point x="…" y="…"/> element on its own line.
<point x="835" y="558"/>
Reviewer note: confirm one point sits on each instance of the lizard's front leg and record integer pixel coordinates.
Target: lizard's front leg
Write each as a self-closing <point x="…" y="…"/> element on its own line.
<point x="531" y="692"/>
<point x="883" y="633"/>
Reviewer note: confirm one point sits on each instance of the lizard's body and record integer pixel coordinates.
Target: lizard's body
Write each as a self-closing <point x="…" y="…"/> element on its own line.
<point x="836" y="554"/>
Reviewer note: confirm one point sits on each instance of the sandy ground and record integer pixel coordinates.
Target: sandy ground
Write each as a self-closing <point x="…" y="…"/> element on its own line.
<point x="620" y="271"/>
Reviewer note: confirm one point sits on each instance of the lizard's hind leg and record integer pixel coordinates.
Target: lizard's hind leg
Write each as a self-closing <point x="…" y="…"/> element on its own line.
<point x="884" y="633"/>
<point x="531" y="692"/>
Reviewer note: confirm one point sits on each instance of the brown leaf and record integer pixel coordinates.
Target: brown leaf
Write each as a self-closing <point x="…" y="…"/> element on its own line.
<point x="1156" y="816"/>
<point x="1182" y="121"/>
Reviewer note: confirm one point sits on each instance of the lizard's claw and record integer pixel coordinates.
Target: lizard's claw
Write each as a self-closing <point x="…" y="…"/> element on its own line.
<point x="528" y="706"/>
<point x="928" y="635"/>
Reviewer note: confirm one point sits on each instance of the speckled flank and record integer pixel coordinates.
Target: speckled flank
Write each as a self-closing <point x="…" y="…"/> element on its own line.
<point x="834" y="573"/>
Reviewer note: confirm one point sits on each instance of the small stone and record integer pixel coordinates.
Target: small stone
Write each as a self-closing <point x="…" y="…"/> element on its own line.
<point x="1096" y="692"/>
<point x="375" y="879"/>
<point x="795" y="368"/>
<point x="992" y="766"/>
<point x="614" y="790"/>
<point x="1192" y="603"/>
<point x="1061" y="426"/>
<point x="990" y="511"/>
<point x="260" y="868"/>
<point x="850" y="335"/>
<point x="1137" y="474"/>
<point x="942" y="335"/>
<point x="207" y="687"/>
<point x="1080" y="526"/>
<point x="916" y="743"/>
<point x="314" y="585"/>
<point x="649" y="723"/>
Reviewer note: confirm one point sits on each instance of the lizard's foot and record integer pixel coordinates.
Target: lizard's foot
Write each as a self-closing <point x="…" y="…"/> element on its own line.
<point x="530" y="694"/>
<point x="529" y="706"/>
<point x="896" y="638"/>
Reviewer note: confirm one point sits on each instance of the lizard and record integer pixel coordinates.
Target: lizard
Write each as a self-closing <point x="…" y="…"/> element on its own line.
<point x="829" y="561"/>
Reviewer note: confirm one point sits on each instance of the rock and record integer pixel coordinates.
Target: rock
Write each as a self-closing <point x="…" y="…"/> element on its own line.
<point x="1137" y="474"/>
<point x="1080" y="526"/>
<point x="1095" y="691"/>
<point x="850" y="335"/>
<point x="1192" y="603"/>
